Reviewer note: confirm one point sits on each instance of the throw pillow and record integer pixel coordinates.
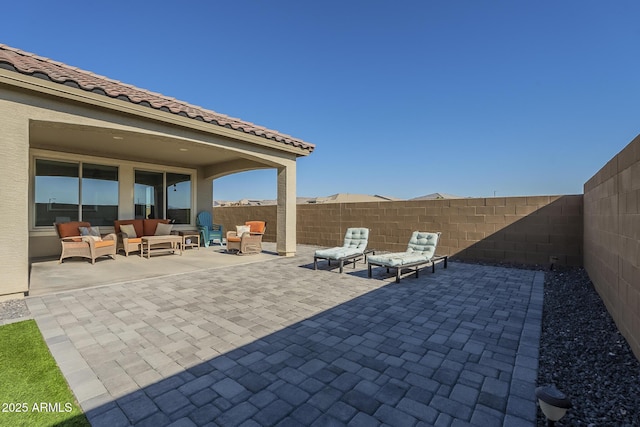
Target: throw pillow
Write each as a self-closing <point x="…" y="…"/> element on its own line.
<point x="163" y="229"/>
<point x="129" y="230"/>
<point x="241" y="229"/>
<point x="89" y="231"/>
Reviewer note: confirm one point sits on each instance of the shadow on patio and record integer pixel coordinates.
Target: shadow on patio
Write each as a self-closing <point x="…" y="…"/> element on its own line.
<point x="278" y="343"/>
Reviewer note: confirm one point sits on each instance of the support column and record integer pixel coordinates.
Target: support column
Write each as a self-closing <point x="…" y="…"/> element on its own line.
<point x="14" y="193"/>
<point x="286" y="211"/>
<point x="204" y="194"/>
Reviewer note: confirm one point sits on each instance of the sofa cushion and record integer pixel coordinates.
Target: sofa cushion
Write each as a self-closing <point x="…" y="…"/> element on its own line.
<point x="163" y="229"/>
<point x="129" y="230"/>
<point x="105" y="243"/>
<point x="137" y="225"/>
<point x="149" y="226"/>
<point x="69" y="229"/>
<point x="241" y="229"/>
<point x="256" y="226"/>
<point x="90" y="231"/>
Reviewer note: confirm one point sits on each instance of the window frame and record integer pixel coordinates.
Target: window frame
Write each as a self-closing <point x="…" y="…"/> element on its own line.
<point x="124" y="185"/>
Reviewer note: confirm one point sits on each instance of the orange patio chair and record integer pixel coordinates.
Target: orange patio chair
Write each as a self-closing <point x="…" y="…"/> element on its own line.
<point x="246" y="239"/>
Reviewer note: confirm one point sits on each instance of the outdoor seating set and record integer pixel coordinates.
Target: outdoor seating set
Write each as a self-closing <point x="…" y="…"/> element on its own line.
<point x="421" y="252"/>
<point x="147" y="236"/>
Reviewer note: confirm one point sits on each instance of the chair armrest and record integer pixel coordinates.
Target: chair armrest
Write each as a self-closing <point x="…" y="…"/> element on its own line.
<point x="231" y="234"/>
<point x="110" y="236"/>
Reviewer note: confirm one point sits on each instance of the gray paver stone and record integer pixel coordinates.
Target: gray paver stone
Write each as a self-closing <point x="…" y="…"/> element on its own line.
<point x="228" y="388"/>
<point x="273" y="413"/>
<point x="237" y="414"/>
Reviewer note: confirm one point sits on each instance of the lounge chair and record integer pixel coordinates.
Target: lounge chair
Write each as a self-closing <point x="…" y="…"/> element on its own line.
<point x="352" y="251"/>
<point x="79" y="239"/>
<point x="420" y="252"/>
<point x="209" y="232"/>
<point x="248" y="241"/>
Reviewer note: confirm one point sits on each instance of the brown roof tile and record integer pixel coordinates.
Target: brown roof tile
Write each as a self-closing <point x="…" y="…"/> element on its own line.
<point x="37" y="66"/>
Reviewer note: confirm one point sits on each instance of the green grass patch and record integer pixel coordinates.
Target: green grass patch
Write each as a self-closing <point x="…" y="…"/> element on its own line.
<point x="33" y="391"/>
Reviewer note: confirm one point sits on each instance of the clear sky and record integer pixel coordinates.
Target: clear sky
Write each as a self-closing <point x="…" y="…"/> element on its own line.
<point x="401" y="98"/>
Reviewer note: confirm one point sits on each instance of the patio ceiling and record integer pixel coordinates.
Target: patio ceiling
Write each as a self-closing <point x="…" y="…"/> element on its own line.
<point x="130" y="145"/>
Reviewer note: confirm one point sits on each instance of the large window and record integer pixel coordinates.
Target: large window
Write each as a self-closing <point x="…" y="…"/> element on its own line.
<point x="163" y="195"/>
<point x="99" y="194"/>
<point x="148" y="195"/>
<point x="66" y="191"/>
<point x="179" y="198"/>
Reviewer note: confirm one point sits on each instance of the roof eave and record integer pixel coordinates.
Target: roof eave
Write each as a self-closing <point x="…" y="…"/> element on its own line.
<point x="45" y="86"/>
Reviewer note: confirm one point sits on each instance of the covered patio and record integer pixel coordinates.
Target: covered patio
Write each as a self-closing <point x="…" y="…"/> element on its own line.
<point x="82" y="147"/>
<point x="47" y="276"/>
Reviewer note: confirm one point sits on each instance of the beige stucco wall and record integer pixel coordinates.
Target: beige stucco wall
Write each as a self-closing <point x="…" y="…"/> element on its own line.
<point x="505" y="229"/>
<point x="14" y="243"/>
<point x="612" y="239"/>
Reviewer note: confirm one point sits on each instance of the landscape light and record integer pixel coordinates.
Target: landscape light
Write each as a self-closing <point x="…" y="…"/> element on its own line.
<point x="553" y="403"/>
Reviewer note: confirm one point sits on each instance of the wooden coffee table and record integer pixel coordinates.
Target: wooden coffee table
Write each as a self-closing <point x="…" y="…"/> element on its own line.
<point x="160" y="242"/>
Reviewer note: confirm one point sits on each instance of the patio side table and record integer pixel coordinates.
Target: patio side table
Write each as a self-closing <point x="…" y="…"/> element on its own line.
<point x="190" y="238"/>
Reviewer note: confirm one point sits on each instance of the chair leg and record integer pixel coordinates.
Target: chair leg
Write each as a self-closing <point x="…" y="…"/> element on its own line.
<point x="341" y="263"/>
<point x="398" y="272"/>
<point x="315" y="263"/>
<point x="369" y="268"/>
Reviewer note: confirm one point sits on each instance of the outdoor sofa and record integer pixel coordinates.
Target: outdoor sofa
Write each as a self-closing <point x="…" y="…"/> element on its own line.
<point x="420" y="252"/>
<point x="131" y="231"/>
<point x="352" y="250"/>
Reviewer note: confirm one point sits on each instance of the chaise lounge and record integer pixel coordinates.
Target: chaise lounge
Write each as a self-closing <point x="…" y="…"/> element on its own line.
<point x="420" y="252"/>
<point x="352" y="251"/>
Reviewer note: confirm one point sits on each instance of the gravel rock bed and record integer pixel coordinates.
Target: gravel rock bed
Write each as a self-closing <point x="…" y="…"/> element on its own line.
<point x="13" y="309"/>
<point x="584" y="355"/>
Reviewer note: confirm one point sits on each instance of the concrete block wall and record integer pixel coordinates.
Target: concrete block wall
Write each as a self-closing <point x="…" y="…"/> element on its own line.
<point x="504" y="229"/>
<point x="612" y="239"/>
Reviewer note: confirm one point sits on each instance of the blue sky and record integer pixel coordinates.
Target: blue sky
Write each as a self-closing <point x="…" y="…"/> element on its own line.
<point x="401" y="98"/>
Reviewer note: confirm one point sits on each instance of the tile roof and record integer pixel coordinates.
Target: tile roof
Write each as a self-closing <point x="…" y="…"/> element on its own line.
<point x="37" y="66"/>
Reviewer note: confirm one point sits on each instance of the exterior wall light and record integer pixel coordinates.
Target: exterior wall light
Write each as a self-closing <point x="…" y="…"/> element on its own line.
<point x="553" y="403"/>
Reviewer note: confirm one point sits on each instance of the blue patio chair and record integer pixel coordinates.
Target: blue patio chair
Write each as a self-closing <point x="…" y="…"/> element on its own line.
<point x="208" y="230"/>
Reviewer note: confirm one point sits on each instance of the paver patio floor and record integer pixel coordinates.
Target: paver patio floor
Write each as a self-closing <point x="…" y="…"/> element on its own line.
<point x="277" y="343"/>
